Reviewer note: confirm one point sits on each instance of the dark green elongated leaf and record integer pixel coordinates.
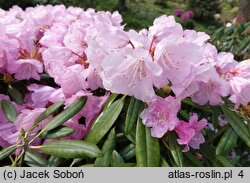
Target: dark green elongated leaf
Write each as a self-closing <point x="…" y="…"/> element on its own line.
<point x="208" y="151"/>
<point x="147" y="147"/>
<point x="237" y="124"/>
<point x="184" y="114"/>
<point x="71" y="149"/>
<point x="244" y="45"/>
<point x="76" y="161"/>
<point x="248" y="125"/>
<point x="54" y="161"/>
<point x="153" y="149"/>
<point x="131" y="135"/>
<point x="130" y="164"/>
<point x="117" y="160"/>
<point x="7" y="151"/>
<point x="110" y="100"/>
<point x="224" y="161"/>
<point x="141" y="149"/>
<point x="9" y="110"/>
<point x="132" y="114"/>
<point x="34" y="159"/>
<point x="105" y="121"/>
<point x="66" y="114"/>
<point x="193" y="160"/>
<point x="227" y="142"/>
<point x="215" y="115"/>
<point x="107" y="149"/>
<point x="200" y="107"/>
<point x="58" y="133"/>
<point x="15" y="95"/>
<point x="50" y="110"/>
<point x="164" y="163"/>
<point x="175" y="150"/>
<point x="128" y="152"/>
<point x="87" y="165"/>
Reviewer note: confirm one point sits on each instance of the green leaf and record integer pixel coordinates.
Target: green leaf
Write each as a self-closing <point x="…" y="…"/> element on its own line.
<point x="193" y="160"/>
<point x="227" y="142"/>
<point x="15" y="95"/>
<point x="215" y="115"/>
<point x="184" y="114"/>
<point x="224" y="161"/>
<point x="131" y="135"/>
<point x="58" y="133"/>
<point x="71" y="149"/>
<point x="87" y="165"/>
<point x="248" y="125"/>
<point x="107" y="149"/>
<point x="132" y="114"/>
<point x="147" y="147"/>
<point x="208" y="151"/>
<point x="237" y="124"/>
<point x="117" y="160"/>
<point x="204" y="108"/>
<point x="164" y="163"/>
<point x="66" y="114"/>
<point x="46" y="113"/>
<point x="110" y="100"/>
<point x="76" y="161"/>
<point x="7" y="151"/>
<point x="175" y="150"/>
<point x="9" y="110"/>
<point x="130" y="164"/>
<point x="104" y="121"/>
<point x="54" y="161"/>
<point x="34" y="159"/>
<point x="128" y="152"/>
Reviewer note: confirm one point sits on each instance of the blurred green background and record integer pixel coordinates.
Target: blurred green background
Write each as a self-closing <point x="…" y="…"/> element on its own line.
<point x="226" y="20"/>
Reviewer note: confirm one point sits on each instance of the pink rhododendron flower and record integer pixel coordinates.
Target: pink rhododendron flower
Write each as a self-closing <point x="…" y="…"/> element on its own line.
<point x="165" y="27"/>
<point x="8" y="134"/>
<point x="40" y="94"/>
<point x="239" y="79"/>
<point x="26" y="69"/>
<point x="189" y="132"/>
<point x="225" y="62"/>
<point x="131" y="72"/>
<point x="198" y="38"/>
<point x="72" y="79"/>
<point x="59" y="55"/>
<point x="91" y="109"/>
<point x="211" y="89"/>
<point x="161" y="115"/>
<point x="27" y="117"/>
<point x="240" y="91"/>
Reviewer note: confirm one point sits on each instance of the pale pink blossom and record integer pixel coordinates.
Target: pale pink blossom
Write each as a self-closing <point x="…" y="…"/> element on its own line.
<point x="131" y="72"/>
<point x="199" y="38"/>
<point x="189" y="133"/>
<point x="225" y="62"/>
<point x="25" y="69"/>
<point x="161" y="115"/>
<point x="240" y="88"/>
<point x="71" y="79"/>
<point x="40" y="94"/>
<point x="165" y="27"/>
<point x="91" y="109"/>
<point x="211" y="89"/>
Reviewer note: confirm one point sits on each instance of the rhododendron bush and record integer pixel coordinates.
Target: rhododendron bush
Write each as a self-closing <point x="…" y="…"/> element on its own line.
<point x="79" y="90"/>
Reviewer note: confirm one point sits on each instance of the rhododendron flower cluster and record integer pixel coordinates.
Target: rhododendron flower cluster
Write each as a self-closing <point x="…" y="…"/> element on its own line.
<point x="85" y="50"/>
